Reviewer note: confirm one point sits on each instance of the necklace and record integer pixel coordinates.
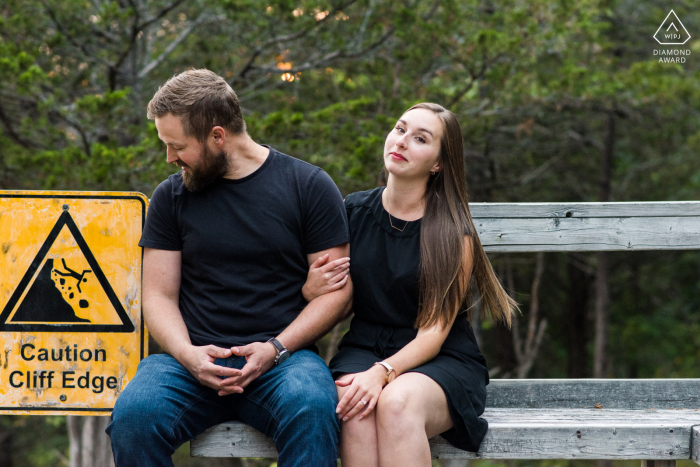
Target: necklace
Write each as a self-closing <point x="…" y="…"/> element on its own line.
<point x="392" y="224"/>
<point x="405" y="225"/>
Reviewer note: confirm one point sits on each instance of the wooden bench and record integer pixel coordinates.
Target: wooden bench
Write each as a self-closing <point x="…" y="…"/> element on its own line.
<point x="645" y="419"/>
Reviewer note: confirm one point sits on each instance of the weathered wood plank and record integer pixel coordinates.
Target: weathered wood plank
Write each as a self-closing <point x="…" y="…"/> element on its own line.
<point x="521" y="434"/>
<point x="695" y="445"/>
<point x="565" y="210"/>
<point x="589" y="234"/>
<point x="586" y="393"/>
<point x="232" y="439"/>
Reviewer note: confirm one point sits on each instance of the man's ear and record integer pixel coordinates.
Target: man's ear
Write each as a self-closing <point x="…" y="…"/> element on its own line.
<point x="217" y="136"/>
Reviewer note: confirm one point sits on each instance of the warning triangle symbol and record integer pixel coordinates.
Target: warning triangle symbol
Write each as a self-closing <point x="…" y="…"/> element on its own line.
<point x="64" y="289"/>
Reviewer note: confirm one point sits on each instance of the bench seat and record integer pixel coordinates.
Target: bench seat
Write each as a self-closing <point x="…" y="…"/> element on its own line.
<point x="521" y="434"/>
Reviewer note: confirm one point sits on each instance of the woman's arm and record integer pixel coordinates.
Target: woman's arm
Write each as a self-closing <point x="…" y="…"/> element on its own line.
<point x="325" y="276"/>
<point x="366" y="386"/>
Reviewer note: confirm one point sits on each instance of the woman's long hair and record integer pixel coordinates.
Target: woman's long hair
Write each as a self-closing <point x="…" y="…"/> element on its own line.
<point x="444" y="284"/>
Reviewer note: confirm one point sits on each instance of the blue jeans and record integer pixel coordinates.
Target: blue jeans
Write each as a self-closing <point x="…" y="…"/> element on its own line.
<point x="164" y="406"/>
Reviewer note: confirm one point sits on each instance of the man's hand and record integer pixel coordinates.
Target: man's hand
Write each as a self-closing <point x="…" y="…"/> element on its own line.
<point x="199" y="361"/>
<point x="260" y="357"/>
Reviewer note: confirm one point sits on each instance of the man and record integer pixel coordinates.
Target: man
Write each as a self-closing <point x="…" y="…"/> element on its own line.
<point x="227" y="245"/>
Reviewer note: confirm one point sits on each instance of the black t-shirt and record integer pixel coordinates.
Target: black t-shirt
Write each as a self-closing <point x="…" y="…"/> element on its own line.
<point x="390" y="297"/>
<point x="244" y="244"/>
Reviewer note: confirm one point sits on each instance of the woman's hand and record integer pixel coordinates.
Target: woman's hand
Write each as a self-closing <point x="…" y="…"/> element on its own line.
<point x="325" y="276"/>
<point x="363" y="392"/>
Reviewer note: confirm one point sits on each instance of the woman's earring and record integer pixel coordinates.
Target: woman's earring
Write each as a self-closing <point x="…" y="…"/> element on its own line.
<point x="432" y="174"/>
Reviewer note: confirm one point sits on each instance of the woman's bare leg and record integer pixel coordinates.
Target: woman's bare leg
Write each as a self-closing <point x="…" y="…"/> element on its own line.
<point x="358" y="439"/>
<point x="411" y="409"/>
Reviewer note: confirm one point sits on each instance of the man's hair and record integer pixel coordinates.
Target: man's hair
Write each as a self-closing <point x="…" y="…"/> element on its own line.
<point x="202" y="99"/>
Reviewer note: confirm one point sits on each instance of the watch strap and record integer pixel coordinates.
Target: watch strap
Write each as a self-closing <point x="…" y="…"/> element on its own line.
<point x="389" y="370"/>
<point x="281" y="350"/>
<point x="278" y="345"/>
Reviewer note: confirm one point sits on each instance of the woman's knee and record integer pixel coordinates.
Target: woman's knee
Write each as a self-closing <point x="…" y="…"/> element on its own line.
<point x="396" y="408"/>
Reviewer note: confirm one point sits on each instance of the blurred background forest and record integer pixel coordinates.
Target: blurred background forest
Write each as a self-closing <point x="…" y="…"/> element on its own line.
<point x="559" y="100"/>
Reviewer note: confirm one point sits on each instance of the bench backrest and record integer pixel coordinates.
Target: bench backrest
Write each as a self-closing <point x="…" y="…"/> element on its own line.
<point x="586" y="393"/>
<point x="533" y="227"/>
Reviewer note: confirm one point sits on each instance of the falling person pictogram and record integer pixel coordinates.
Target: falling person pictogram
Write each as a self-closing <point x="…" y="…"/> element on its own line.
<point x="66" y="290"/>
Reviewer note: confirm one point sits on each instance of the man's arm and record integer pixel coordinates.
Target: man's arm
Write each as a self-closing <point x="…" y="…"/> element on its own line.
<point x="323" y="312"/>
<point x="319" y="317"/>
<point x="161" y="290"/>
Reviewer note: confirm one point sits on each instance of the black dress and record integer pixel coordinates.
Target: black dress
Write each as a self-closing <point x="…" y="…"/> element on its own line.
<point x="385" y="274"/>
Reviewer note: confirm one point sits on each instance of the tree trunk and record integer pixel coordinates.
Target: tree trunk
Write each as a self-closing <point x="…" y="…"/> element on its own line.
<point x="5" y="444"/>
<point x="526" y="350"/>
<point x="577" y="328"/>
<point x="504" y="350"/>
<point x="602" y="316"/>
<point x="74" y="438"/>
<point x="602" y="302"/>
<point x="602" y="299"/>
<point x="89" y="444"/>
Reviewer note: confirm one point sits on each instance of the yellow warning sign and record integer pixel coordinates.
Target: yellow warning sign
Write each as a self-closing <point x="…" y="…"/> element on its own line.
<point x="71" y="331"/>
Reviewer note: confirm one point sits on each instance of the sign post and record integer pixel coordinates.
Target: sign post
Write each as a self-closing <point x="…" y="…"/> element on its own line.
<point x="71" y="330"/>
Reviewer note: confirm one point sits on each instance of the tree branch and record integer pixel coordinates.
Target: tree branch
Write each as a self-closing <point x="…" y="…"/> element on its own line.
<point x="329" y="57"/>
<point x="72" y="40"/>
<point x="7" y="124"/>
<point x="485" y="64"/>
<point x="168" y="50"/>
<point x="286" y="38"/>
<point x="160" y="14"/>
<point x="248" y="66"/>
<point x="432" y="10"/>
<point x="303" y="32"/>
<point x="78" y="128"/>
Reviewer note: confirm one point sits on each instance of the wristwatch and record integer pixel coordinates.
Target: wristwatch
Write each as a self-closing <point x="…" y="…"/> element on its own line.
<point x="282" y="352"/>
<point x="390" y="373"/>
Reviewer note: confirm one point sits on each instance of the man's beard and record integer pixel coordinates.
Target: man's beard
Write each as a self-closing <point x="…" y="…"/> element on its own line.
<point x="208" y="170"/>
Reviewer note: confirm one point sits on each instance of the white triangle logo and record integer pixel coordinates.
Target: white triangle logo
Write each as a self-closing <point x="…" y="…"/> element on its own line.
<point x="672" y="31"/>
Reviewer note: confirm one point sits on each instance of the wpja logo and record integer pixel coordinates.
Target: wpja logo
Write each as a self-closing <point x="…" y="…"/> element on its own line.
<point x="672" y="32"/>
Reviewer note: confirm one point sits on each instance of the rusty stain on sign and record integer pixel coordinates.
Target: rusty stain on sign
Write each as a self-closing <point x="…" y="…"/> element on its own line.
<point x="70" y="300"/>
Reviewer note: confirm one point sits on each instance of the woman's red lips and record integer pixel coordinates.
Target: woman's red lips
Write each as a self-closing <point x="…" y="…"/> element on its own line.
<point x="396" y="155"/>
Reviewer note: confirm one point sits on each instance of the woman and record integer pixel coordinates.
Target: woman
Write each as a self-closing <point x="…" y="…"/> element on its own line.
<point x="410" y="352"/>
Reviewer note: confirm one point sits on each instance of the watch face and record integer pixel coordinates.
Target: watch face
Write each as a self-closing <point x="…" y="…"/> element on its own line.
<point x="391" y="376"/>
<point x="284" y="355"/>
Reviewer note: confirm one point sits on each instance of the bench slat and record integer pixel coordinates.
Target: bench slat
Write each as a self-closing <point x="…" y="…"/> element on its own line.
<point x="695" y="445"/>
<point x="586" y="393"/>
<point x="589" y="234"/>
<point x="520" y="434"/>
<point x="564" y="210"/>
